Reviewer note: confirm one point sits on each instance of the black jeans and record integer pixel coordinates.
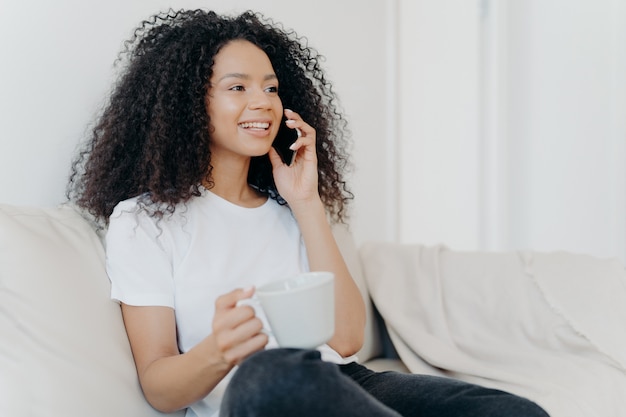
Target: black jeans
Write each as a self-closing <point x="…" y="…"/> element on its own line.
<point x="292" y="382"/>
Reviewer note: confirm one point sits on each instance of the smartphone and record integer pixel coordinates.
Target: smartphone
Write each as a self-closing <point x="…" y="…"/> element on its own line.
<point x="285" y="137"/>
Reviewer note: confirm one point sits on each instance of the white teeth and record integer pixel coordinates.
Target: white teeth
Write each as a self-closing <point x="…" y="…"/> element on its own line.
<point x="255" y="125"/>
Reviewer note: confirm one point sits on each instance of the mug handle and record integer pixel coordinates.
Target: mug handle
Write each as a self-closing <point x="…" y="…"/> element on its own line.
<point x="255" y="303"/>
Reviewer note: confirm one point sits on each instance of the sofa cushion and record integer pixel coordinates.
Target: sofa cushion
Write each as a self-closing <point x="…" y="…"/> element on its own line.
<point x="63" y="348"/>
<point x="546" y="326"/>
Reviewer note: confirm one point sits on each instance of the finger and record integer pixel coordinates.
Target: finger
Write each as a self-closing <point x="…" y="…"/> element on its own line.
<point x="302" y="141"/>
<point x="305" y="147"/>
<point x="290" y="114"/>
<point x="238" y="343"/>
<point x="301" y="127"/>
<point x="295" y="121"/>
<point x="236" y="335"/>
<point x="230" y="319"/>
<point x="240" y="352"/>
<point x="275" y="158"/>
<point x="230" y="299"/>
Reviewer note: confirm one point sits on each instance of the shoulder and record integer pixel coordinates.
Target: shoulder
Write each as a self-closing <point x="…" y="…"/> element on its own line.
<point x="137" y="218"/>
<point x="142" y="210"/>
<point x="125" y="207"/>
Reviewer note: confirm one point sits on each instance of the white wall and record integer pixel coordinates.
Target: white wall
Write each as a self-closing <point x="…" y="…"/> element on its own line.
<point x="513" y="125"/>
<point x="566" y="126"/>
<point x="57" y="67"/>
<point x="438" y="122"/>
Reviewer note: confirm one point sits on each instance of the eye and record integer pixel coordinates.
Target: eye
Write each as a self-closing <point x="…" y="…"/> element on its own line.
<point x="237" y="88"/>
<point x="272" y="89"/>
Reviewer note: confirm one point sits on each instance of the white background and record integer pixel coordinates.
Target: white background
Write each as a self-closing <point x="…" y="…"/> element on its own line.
<point x="513" y="124"/>
<point x="481" y="124"/>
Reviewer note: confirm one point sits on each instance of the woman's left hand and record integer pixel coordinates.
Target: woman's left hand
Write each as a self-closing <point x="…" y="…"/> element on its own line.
<point x="297" y="183"/>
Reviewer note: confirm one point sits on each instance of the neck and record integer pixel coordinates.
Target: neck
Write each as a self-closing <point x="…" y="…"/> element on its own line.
<point x="230" y="182"/>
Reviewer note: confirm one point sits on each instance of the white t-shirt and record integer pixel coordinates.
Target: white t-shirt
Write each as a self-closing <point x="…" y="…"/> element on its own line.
<point x="206" y="248"/>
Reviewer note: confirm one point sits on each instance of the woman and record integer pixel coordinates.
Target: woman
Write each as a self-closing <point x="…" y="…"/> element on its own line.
<point x="201" y="209"/>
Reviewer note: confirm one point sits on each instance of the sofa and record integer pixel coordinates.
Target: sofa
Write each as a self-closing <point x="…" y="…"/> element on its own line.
<point x="547" y="326"/>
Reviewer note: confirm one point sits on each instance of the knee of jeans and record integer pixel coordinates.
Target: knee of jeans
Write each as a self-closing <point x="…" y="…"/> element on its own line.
<point x="273" y="376"/>
<point x="523" y="407"/>
<point x="271" y="358"/>
<point x="534" y="410"/>
<point x="282" y="366"/>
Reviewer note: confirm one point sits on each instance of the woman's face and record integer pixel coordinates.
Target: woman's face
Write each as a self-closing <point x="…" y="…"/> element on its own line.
<point x="242" y="102"/>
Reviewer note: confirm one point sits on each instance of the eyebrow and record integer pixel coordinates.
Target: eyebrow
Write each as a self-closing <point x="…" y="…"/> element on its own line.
<point x="246" y="76"/>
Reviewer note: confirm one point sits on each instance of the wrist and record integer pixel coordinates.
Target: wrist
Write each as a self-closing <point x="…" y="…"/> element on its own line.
<point x="307" y="207"/>
<point x="210" y="356"/>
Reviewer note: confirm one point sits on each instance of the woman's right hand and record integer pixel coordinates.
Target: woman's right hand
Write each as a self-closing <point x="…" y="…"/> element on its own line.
<point x="171" y="380"/>
<point x="236" y="329"/>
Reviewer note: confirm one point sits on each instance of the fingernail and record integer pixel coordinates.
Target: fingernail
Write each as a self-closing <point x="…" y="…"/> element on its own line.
<point x="293" y="146"/>
<point x="290" y="121"/>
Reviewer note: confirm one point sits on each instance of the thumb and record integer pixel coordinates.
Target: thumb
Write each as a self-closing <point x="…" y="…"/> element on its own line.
<point x="230" y="299"/>
<point x="275" y="158"/>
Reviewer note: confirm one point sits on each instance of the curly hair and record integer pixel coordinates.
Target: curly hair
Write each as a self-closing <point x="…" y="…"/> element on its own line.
<point x="152" y="138"/>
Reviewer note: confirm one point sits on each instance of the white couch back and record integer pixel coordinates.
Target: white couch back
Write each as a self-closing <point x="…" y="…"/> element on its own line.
<point x="63" y="348"/>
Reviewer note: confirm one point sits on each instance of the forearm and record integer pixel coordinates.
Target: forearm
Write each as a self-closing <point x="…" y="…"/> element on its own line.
<point x="324" y="255"/>
<point x="175" y="382"/>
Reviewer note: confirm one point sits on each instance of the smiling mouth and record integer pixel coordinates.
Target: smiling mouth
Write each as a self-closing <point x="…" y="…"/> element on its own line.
<point x="255" y="125"/>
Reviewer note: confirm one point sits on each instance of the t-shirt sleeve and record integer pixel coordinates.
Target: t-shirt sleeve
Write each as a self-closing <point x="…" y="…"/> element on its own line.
<point x="138" y="259"/>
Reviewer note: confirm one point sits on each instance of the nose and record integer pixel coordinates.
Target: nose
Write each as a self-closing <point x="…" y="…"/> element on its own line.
<point x="259" y="99"/>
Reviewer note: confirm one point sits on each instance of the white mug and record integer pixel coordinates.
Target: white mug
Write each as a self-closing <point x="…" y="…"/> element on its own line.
<point x="301" y="309"/>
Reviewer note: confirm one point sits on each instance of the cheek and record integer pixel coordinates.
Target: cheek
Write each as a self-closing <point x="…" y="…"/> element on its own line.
<point x="221" y="107"/>
<point x="231" y="105"/>
<point x="279" y="105"/>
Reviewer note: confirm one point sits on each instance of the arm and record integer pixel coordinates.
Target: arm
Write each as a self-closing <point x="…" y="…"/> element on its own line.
<point x="298" y="185"/>
<point x="324" y="255"/>
<point x="171" y="380"/>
